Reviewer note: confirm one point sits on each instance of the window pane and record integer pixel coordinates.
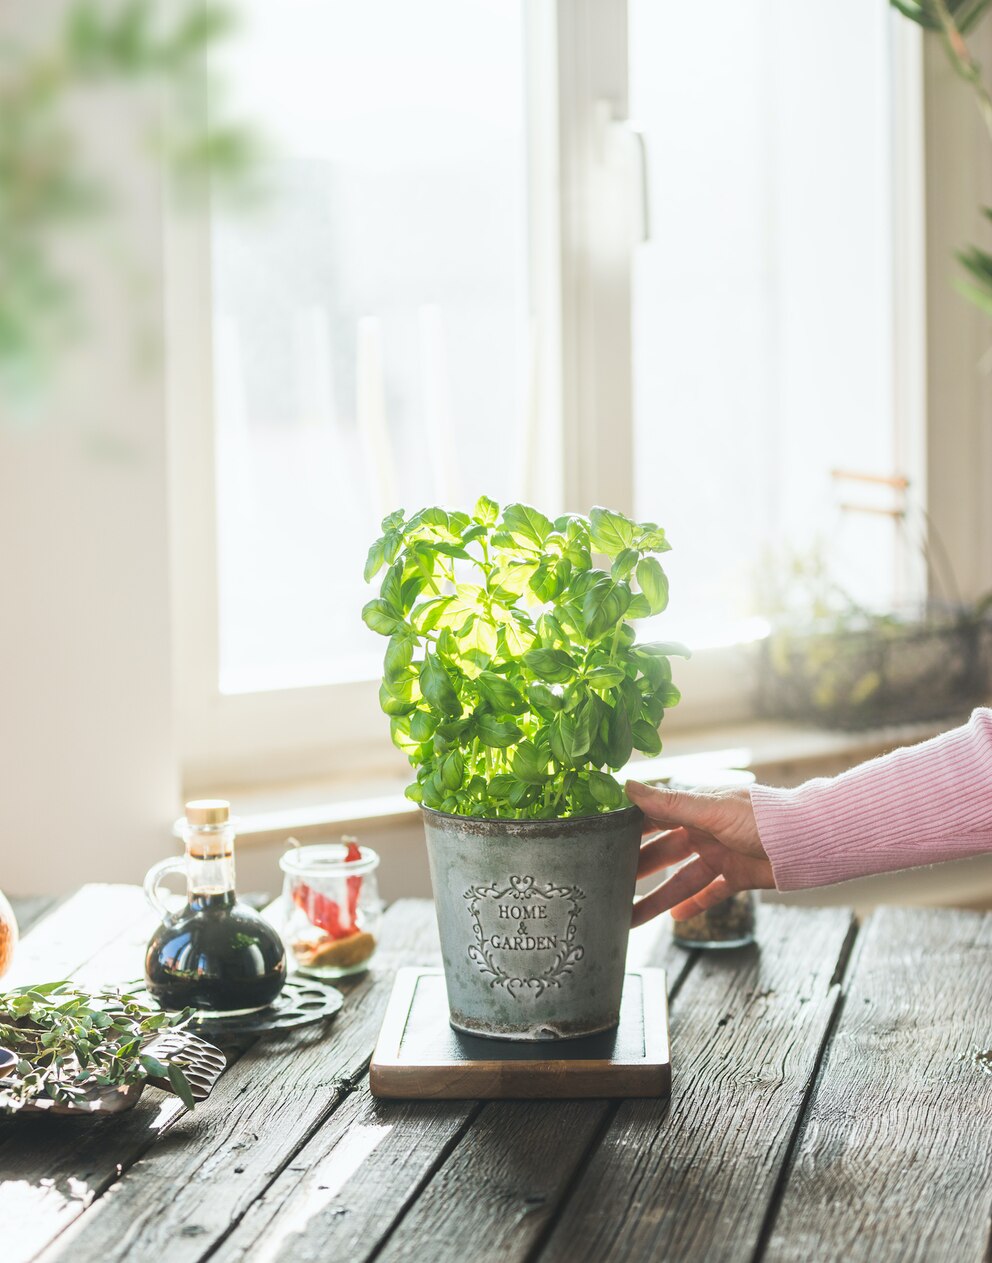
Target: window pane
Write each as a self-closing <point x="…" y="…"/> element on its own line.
<point x="762" y="305"/>
<point x="371" y="327"/>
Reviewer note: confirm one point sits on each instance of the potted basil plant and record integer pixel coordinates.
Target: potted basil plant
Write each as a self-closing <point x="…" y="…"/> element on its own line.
<point x="515" y="684"/>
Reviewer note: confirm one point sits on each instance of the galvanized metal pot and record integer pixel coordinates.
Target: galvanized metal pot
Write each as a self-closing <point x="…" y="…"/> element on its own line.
<point x="534" y="917"/>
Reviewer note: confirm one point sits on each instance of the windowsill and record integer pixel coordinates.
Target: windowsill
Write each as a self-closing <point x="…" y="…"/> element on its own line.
<point x="774" y="750"/>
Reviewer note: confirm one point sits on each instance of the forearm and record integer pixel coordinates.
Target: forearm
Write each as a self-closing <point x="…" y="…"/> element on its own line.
<point x="918" y="805"/>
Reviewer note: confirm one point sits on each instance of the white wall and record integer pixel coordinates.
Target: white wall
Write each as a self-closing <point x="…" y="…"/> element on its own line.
<point x="88" y="774"/>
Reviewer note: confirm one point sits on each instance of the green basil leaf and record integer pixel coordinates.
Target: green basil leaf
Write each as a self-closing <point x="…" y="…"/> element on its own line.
<point x="396" y="696"/>
<point x="653" y="582"/>
<point x="570" y="735"/>
<point x="603" y="607"/>
<point x="399" y="733"/>
<point x="522" y="794"/>
<point x="431" y="796"/>
<point x="499" y="693"/>
<point x="668" y="695"/>
<point x="375" y="559"/>
<point x="663" y="648"/>
<point x="392" y="542"/>
<point x="529" y="764"/>
<point x="378" y="616"/>
<point x="605" y="677"/>
<point x="555" y="666"/>
<point x="422" y="726"/>
<point x="605" y="790"/>
<point x="392" y="587"/>
<point x="500" y="785"/>
<point x="514" y="638"/>
<point x="412" y="587"/>
<point x="486" y="511"/>
<point x="639" y="606"/>
<point x="645" y="737"/>
<point x="427" y="615"/>
<point x="653" y="539"/>
<point x="399" y="654"/>
<point x="433" y="517"/>
<point x="453" y="770"/>
<point x="523" y="521"/>
<point x="620" y="739"/>
<point x="496" y="733"/>
<point x="551" y="632"/>
<point x="414" y="792"/>
<point x="625" y="562"/>
<point x="542" y="581"/>
<point x="544" y="700"/>
<point x="436" y="686"/>
<point x="610" y="532"/>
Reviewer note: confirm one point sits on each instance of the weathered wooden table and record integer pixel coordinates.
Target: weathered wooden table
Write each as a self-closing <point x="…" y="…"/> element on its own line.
<point x="820" y="1111"/>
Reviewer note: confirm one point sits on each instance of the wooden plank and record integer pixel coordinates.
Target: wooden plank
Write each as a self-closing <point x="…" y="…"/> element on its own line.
<point x="184" y="1198"/>
<point x="346" y="1188"/>
<point x="693" y="1179"/>
<point x="894" y="1162"/>
<point x="60" y="945"/>
<point x="329" y="1206"/>
<point x="493" y="1198"/>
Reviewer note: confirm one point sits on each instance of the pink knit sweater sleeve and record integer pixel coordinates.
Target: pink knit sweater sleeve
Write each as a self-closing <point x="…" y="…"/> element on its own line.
<point x="918" y="805"/>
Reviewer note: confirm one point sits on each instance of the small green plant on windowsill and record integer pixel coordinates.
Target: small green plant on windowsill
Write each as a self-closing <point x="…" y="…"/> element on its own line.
<point x="831" y="661"/>
<point x="513" y="678"/>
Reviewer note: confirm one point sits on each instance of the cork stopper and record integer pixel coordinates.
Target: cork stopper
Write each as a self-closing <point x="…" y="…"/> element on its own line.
<point x="208" y="811"/>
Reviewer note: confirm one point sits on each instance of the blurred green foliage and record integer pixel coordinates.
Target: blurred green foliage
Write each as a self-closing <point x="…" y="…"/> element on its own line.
<point x="965" y="14"/>
<point x="953" y="20"/>
<point x="49" y="185"/>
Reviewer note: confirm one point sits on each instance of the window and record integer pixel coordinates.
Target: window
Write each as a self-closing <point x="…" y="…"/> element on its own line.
<point x="451" y="290"/>
<point x="357" y="316"/>
<point x="763" y="303"/>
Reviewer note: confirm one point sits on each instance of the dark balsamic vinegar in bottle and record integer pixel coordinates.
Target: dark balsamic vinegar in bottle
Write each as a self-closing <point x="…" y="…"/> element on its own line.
<point x="216" y="955"/>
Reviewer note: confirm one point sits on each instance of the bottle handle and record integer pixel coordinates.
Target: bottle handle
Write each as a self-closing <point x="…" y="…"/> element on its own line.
<point x="153" y="879"/>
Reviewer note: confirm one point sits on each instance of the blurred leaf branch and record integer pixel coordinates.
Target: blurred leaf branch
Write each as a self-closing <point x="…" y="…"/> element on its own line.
<point x="49" y="183"/>
<point x="953" y="20"/>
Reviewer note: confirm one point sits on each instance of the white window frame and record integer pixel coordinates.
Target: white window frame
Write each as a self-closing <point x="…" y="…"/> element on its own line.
<point x="583" y="156"/>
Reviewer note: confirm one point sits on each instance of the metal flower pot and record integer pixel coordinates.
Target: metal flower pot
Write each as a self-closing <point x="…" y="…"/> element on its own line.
<point x="534" y="917"/>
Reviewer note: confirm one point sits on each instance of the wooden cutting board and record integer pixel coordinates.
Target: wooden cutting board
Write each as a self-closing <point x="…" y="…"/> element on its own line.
<point x="420" y="1057"/>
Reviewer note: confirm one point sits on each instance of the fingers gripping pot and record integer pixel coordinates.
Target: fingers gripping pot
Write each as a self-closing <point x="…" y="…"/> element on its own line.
<point x="534" y="917"/>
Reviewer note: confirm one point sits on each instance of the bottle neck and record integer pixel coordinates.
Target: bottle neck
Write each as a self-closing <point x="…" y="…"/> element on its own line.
<point x="209" y="864"/>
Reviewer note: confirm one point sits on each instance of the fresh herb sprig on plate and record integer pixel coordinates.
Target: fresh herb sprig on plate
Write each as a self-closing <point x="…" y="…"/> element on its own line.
<point x="69" y="1041"/>
<point x="513" y="678"/>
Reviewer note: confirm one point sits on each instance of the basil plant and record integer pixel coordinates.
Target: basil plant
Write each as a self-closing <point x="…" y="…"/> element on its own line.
<point x="513" y="678"/>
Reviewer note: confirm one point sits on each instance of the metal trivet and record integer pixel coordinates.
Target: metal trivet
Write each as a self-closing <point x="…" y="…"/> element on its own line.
<point x="300" y="1003"/>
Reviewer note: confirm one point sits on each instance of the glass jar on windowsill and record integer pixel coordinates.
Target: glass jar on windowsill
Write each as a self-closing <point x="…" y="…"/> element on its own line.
<point x="730" y="923"/>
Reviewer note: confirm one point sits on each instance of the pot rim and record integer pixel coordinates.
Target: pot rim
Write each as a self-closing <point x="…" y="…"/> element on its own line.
<point x="492" y="824"/>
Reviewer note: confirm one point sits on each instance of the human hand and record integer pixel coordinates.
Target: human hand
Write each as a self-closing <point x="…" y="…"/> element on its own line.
<point x="718" y="829"/>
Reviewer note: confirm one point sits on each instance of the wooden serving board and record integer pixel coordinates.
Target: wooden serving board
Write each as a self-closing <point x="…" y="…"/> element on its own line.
<point x="420" y="1057"/>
